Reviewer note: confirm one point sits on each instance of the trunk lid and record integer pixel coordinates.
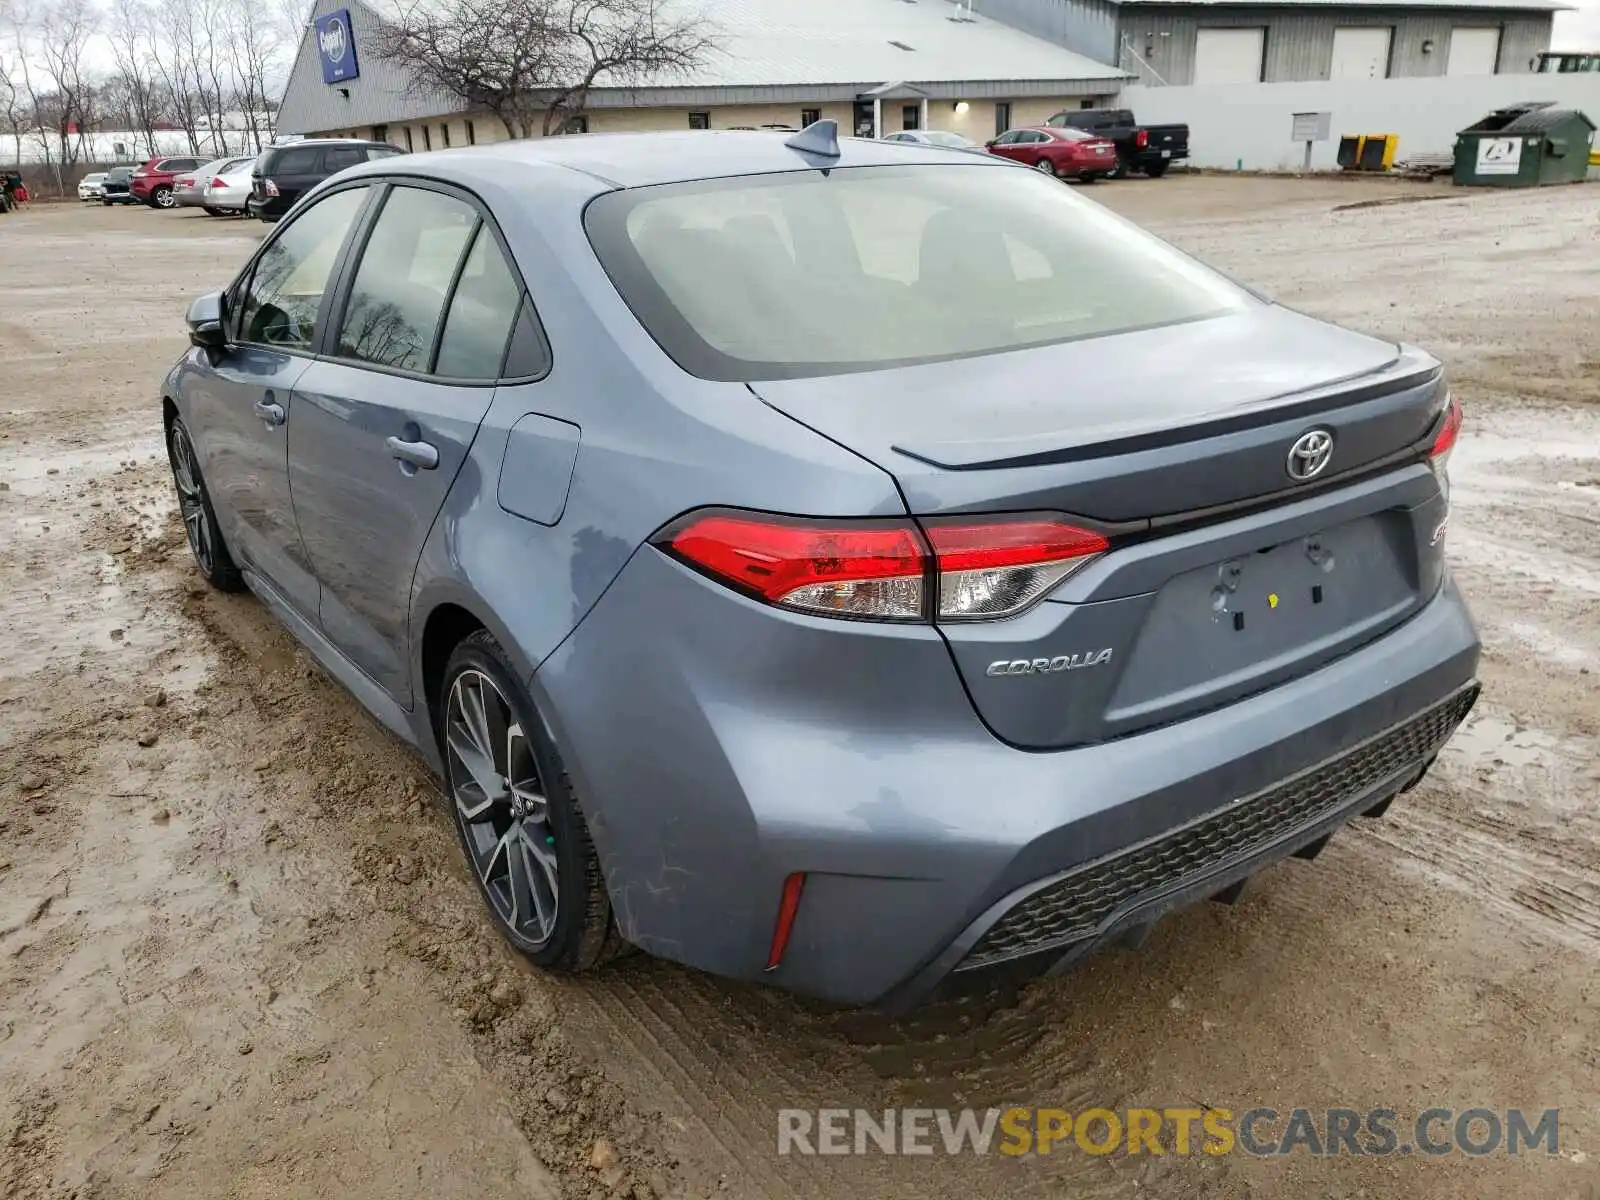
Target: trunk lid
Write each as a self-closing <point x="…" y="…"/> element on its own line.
<point x="1226" y="575"/>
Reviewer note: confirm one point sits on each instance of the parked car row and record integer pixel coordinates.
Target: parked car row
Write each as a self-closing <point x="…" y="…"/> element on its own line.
<point x="1081" y="144"/>
<point x="263" y="185"/>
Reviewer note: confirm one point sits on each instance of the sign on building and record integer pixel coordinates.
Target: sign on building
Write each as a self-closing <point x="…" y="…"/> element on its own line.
<point x="1499" y="156"/>
<point x="336" y="47"/>
<point x="1311" y="127"/>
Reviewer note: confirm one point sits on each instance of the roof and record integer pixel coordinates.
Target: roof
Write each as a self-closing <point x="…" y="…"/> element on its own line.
<point x="765" y="51"/>
<point x="1542" y="119"/>
<point x="777" y="42"/>
<point x="646" y="159"/>
<point x="1502" y="5"/>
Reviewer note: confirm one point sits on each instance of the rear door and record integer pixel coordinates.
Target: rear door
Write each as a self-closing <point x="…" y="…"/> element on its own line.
<point x="385" y="418"/>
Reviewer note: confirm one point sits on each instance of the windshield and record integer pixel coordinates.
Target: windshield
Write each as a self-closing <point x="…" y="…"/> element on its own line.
<point x="806" y="273"/>
<point x="938" y="137"/>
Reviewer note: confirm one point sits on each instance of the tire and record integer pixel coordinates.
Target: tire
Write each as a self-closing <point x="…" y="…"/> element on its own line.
<point x="1157" y="168"/>
<point x="533" y="819"/>
<point x="106" y="202"/>
<point x="1089" y="178"/>
<point x="1120" y="171"/>
<point x="162" y="197"/>
<point x="1045" y="166"/>
<point x="215" y="212"/>
<point x="200" y="526"/>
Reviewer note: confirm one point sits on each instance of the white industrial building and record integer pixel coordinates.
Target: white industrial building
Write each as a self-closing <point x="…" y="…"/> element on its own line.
<point x="872" y="65"/>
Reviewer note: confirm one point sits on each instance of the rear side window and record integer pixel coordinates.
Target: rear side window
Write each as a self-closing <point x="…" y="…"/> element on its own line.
<point x="377" y="152"/>
<point x="337" y="158"/>
<point x="300" y="161"/>
<point x="285" y="292"/>
<point x="409" y="263"/>
<point x="484" y="306"/>
<point x="801" y="273"/>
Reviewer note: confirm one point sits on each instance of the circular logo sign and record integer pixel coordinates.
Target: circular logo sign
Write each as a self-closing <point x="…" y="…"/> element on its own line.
<point x="335" y="41"/>
<point x="1310" y="454"/>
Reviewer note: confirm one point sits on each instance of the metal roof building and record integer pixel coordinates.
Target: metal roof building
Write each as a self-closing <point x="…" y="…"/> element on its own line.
<point x="873" y="65"/>
<point x="1225" y="41"/>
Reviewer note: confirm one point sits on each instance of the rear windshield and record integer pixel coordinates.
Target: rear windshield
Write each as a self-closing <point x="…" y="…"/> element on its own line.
<point x="805" y="273"/>
<point x="119" y="173"/>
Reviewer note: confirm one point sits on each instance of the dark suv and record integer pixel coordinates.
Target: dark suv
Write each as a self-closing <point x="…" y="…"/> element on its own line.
<point x="117" y="188"/>
<point x="283" y="173"/>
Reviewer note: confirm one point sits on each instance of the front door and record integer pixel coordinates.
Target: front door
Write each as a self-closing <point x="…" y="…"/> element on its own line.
<point x="241" y="418"/>
<point x="384" y="422"/>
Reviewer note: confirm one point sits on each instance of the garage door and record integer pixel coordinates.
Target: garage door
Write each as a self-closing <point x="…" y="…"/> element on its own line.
<point x="1360" y="52"/>
<point x="1229" y="55"/>
<point x="1473" y="51"/>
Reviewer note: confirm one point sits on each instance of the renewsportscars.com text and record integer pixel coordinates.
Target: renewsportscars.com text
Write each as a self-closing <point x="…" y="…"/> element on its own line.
<point x="1263" y="1132"/>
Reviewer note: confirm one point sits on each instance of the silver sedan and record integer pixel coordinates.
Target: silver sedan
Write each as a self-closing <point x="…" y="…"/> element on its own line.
<point x="219" y="187"/>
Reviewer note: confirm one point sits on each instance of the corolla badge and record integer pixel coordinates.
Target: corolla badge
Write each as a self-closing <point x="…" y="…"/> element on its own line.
<point x="1310" y="454"/>
<point x="334" y="40"/>
<point x="1049" y="666"/>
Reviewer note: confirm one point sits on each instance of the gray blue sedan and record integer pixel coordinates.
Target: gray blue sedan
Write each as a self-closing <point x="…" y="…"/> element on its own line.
<point x="863" y="568"/>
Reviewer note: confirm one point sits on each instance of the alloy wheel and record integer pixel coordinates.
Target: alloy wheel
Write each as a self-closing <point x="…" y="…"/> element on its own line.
<point x="191" y="502"/>
<point x="1045" y="165"/>
<point x="501" y="806"/>
<point x="165" y="198"/>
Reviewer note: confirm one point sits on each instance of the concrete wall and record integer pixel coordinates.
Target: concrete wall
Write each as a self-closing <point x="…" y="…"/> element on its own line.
<point x="1248" y="125"/>
<point x="1299" y="41"/>
<point x="977" y="122"/>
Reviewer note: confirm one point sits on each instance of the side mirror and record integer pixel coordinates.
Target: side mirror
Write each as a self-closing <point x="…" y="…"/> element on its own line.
<point x="206" y="328"/>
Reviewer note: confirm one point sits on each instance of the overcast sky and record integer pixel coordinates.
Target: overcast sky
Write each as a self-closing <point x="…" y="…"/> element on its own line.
<point x="1578" y="30"/>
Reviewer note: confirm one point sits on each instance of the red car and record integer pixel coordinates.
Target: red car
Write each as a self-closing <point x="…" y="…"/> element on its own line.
<point x="1069" y="153"/>
<point x="152" y="183"/>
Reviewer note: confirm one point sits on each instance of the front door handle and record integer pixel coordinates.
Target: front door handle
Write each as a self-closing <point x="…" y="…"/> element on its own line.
<point x="419" y="456"/>
<point x="271" y="413"/>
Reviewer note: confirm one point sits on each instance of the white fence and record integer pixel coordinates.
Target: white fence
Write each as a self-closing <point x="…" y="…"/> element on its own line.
<point x="1247" y="125"/>
<point x="39" y="148"/>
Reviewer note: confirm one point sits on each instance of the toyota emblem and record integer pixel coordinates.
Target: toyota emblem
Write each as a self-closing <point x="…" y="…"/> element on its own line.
<point x="1309" y="455"/>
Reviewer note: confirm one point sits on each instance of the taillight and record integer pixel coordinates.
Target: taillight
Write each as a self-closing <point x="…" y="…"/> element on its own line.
<point x="1448" y="433"/>
<point x="1142" y="138"/>
<point x="996" y="568"/>
<point x="270" y="188"/>
<point x="219" y="182"/>
<point x="967" y="569"/>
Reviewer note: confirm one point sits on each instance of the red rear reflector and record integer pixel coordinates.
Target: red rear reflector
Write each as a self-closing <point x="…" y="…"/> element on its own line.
<point x="842" y="568"/>
<point x="1450" y="431"/>
<point x="788" y="909"/>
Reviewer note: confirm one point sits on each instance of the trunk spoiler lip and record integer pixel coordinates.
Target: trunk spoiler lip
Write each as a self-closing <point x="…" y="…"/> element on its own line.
<point x="1409" y="369"/>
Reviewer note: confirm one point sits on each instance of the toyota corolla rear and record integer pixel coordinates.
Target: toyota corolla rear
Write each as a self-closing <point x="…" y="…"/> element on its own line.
<point x="1155" y="593"/>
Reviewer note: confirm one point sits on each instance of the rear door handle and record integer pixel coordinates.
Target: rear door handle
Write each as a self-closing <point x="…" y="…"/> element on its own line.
<point x="418" y="455"/>
<point x="269" y="412"/>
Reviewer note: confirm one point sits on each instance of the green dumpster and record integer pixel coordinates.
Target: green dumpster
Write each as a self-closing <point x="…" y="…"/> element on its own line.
<point x="1524" y="145"/>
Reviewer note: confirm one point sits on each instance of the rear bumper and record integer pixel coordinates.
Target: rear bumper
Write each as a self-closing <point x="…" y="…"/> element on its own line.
<point x="920" y="834"/>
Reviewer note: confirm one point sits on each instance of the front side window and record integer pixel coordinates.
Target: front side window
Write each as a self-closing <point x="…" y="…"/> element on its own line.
<point x="802" y="274"/>
<point x="285" y="292"/>
<point x="407" y="267"/>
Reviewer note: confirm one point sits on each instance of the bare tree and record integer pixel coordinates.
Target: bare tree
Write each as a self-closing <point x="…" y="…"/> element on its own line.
<point x="533" y="63"/>
<point x="254" y="46"/>
<point x="65" y="29"/>
<point x="133" y="49"/>
<point x="11" y="99"/>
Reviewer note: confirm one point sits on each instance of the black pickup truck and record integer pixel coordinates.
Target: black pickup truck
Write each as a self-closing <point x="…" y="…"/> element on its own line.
<point x="1148" y="148"/>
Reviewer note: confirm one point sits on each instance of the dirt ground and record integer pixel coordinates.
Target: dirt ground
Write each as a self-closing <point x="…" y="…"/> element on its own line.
<point x="240" y="956"/>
